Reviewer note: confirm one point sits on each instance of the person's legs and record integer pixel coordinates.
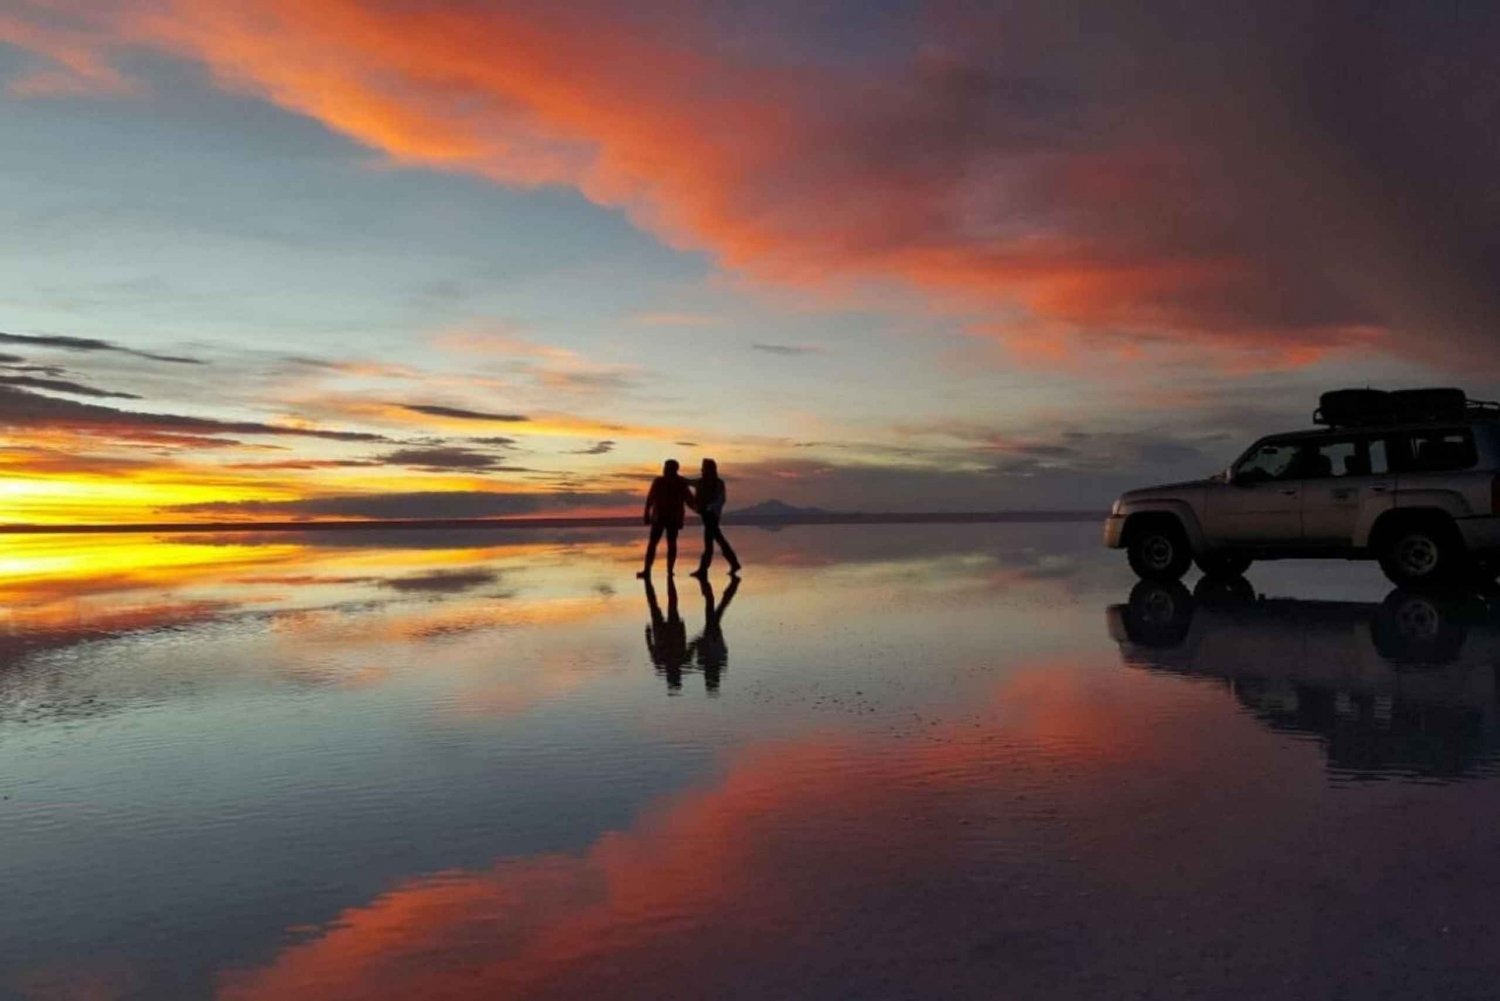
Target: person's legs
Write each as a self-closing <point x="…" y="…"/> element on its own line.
<point x="710" y="529"/>
<point x="651" y="549"/>
<point x="726" y="548"/>
<point x="671" y="550"/>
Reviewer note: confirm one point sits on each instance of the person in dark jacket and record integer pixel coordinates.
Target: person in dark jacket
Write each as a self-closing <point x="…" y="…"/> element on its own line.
<point x="666" y="507"/>
<point x="712" y="495"/>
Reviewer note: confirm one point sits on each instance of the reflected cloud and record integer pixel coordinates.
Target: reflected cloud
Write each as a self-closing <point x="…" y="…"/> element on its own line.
<point x="1409" y="687"/>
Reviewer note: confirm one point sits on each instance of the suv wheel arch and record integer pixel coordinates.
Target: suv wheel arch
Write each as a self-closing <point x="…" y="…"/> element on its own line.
<point x="1418" y="546"/>
<point x="1158" y="545"/>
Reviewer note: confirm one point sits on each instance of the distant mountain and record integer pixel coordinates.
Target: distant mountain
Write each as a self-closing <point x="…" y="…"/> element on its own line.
<point x="775" y="509"/>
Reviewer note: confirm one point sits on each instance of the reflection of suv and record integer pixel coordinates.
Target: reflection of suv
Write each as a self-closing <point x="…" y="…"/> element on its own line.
<point x="1417" y="490"/>
<point x="1409" y="686"/>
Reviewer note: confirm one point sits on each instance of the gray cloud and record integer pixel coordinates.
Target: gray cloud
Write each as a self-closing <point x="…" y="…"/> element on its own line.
<point x="20" y="408"/>
<point x="786" y="349"/>
<point x="447" y="458"/>
<point x="441" y="581"/>
<point x="434" y="504"/>
<point x="63" y="386"/>
<point x="598" y="448"/>
<point x="459" y="413"/>
<point x="64" y="343"/>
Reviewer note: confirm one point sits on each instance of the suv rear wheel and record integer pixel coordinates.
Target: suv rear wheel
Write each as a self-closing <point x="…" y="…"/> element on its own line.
<point x="1417" y="553"/>
<point x="1159" y="550"/>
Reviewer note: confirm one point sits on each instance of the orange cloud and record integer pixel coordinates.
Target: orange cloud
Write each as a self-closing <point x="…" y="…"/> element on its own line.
<point x="787" y="169"/>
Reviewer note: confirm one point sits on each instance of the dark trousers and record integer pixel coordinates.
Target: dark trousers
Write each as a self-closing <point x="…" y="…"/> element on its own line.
<point x="657" y="530"/>
<point x="713" y="534"/>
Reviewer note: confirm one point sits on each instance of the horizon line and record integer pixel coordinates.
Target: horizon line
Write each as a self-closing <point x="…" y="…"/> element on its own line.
<point x="612" y="521"/>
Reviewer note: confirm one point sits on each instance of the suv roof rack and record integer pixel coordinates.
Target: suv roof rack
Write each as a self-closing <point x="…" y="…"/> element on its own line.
<point x="1375" y="407"/>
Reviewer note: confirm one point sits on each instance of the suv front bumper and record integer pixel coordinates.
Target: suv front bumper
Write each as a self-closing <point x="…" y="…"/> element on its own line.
<point x="1114" y="531"/>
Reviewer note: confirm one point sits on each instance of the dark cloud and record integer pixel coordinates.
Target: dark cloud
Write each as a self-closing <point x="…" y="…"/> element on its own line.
<point x="459" y="413"/>
<point x="22" y="409"/>
<point x="63" y="386"/>
<point x="497" y="441"/>
<point x="786" y="349"/>
<point x="63" y="343"/>
<point x="598" y="448"/>
<point x="432" y="504"/>
<point x="51" y="371"/>
<point x="446" y="459"/>
<point x="442" y="581"/>
<point x="306" y="464"/>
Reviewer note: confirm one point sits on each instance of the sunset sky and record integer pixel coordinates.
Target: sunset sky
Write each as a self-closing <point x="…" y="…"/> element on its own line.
<point x="284" y="259"/>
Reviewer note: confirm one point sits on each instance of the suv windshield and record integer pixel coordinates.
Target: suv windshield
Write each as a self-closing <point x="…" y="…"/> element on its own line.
<point x="1272" y="460"/>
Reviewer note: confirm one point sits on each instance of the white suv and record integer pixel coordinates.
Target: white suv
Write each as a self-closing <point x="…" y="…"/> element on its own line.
<point x="1422" y="497"/>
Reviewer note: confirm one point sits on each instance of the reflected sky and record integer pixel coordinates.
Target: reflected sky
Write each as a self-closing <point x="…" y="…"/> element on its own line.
<point x="905" y="761"/>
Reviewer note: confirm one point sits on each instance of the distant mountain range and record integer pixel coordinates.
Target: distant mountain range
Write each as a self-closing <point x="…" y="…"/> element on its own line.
<point x="774" y="509"/>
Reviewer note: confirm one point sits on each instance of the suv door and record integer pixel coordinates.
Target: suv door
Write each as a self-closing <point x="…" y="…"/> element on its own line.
<point x="1347" y="475"/>
<point x="1261" y="503"/>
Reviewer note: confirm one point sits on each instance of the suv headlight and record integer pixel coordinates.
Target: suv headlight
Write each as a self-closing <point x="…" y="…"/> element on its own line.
<point x="1114" y="509"/>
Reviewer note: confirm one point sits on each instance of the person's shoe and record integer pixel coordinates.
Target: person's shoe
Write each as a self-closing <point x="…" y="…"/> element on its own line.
<point x="701" y="573"/>
<point x="643" y="574"/>
<point x="734" y="570"/>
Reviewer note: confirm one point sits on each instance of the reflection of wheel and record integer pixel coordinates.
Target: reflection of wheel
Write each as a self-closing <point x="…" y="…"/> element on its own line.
<point x="1221" y="591"/>
<point x="1420" y="628"/>
<point x="1158" y="614"/>
<point x="1159" y="550"/>
<point x="1420" y="553"/>
<point x="1222" y="564"/>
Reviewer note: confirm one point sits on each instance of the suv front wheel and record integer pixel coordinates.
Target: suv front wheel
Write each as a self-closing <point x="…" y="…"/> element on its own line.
<point x="1421" y="552"/>
<point x="1159" y="550"/>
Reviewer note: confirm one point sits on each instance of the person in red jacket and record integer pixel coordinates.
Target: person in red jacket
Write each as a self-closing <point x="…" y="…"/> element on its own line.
<point x="666" y="509"/>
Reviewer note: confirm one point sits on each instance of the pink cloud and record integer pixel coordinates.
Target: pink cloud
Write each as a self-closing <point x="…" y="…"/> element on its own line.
<point x="1078" y="209"/>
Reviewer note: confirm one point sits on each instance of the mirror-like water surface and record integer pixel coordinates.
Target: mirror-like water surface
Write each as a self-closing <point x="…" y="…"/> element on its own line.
<point x="894" y="762"/>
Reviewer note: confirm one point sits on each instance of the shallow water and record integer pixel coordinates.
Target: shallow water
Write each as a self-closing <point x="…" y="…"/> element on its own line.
<point x="895" y="762"/>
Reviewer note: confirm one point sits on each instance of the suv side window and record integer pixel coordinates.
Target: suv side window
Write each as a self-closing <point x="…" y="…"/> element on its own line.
<point x="1439" y="451"/>
<point x="1347" y="457"/>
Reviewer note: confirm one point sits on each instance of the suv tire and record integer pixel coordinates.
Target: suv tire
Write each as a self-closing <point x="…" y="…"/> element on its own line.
<point x="1421" y="553"/>
<point x="1158" y="550"/>
<point x="1222" y="565"/>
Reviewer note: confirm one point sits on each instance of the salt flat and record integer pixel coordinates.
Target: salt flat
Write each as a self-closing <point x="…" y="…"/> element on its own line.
<point x="945" y="761"/>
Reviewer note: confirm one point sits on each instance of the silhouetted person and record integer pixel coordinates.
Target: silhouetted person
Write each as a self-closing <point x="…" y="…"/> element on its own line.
<point x="666" y="638"/>
<point x="666" y="507"/>
<point x="711" y="497"/>
<point x="709" y="649"/>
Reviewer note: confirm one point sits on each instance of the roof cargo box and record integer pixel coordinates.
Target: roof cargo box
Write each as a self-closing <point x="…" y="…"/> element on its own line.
<point x="1342" y="407"/>
<point x="1429" y="404"/>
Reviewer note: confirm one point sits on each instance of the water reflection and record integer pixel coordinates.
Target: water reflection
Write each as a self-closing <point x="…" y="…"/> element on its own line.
<point x="710" y="652"/>
<point x="667" y="643"/>
<point x="1407" y="686"/>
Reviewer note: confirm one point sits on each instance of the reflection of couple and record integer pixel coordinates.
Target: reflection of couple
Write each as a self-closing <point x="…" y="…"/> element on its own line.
<point x="666" y="636"/>
<point x="666" y="508"/>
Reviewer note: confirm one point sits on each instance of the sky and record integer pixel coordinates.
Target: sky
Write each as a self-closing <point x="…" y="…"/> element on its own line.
<point x="279" y="259"/>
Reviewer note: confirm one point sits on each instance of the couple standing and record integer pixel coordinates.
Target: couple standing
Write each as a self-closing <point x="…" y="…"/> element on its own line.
<point x="666" y="509"/>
